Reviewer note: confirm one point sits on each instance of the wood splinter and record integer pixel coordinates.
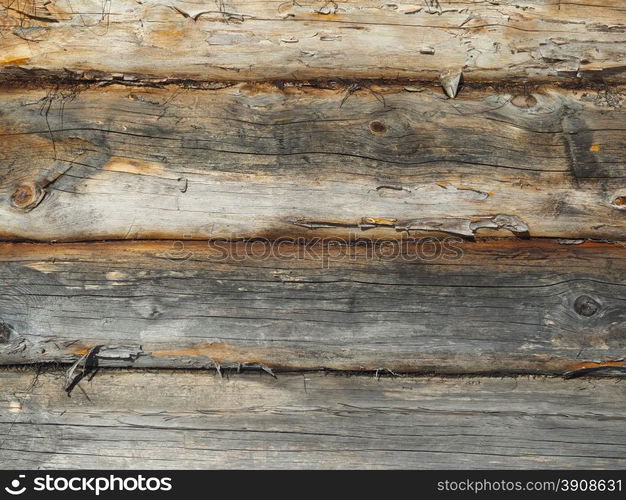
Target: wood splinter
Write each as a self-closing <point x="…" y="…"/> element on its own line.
<point x="90" y="364"/>
<point x="450" y="81"/>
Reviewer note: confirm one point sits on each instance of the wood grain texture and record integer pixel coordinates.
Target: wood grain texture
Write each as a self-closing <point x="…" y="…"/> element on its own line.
<point x="156" y="214"/>
<point x="257" y="161"/>
<point x="196" y="420"/>
<point x="533" y="306"/>
<point x="277" y="39"/>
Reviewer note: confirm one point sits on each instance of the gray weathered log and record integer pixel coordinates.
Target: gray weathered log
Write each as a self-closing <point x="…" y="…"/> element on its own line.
<point x="277" y="39"/>
<point x="532" y="306"/>
<point x="197" y="420"/>
<point x="256" y="161"/>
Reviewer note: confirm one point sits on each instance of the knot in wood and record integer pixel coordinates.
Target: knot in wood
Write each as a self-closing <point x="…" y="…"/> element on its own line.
<point x="620" y="202"/>
<point x="377" y="127"/>
<point x="27" y="196"/>
<point x="524" y="101"/>
<point x="586" y="306"/>
<point x="5" y="332"/>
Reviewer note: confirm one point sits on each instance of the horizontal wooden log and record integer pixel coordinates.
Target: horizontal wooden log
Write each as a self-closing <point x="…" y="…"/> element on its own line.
<point x="276" y="39"/>
<point x="135" y="420"/>
<point x="534" y="306"/>
<point x="256" y="161"/>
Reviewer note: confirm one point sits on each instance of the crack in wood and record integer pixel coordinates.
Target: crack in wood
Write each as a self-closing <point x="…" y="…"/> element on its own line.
<point x="451" y="225"/>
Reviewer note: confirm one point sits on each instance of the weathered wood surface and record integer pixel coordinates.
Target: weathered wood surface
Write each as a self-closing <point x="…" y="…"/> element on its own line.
<point x="354" y="140"/>
<point x="277" y="39"/>
<point x="532" y="306"/>
<point x="257" y="161"/>
<point x="196" y="420"/>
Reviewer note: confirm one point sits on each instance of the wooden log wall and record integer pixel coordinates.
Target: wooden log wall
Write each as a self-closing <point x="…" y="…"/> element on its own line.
<point x="362" y="229"/>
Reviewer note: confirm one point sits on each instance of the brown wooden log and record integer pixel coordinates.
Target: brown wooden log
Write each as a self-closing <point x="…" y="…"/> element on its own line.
<point x="276" y="39"/>
<point x="256" y="161"/>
